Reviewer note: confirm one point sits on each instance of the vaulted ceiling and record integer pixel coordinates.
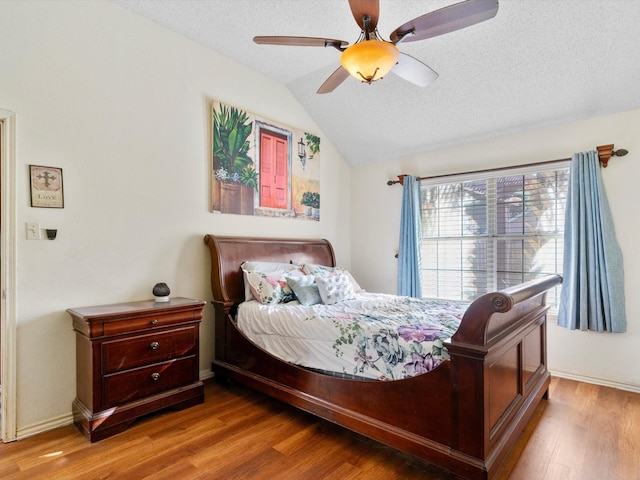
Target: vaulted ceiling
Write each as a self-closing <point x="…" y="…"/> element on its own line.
<point x="537" y="63"/>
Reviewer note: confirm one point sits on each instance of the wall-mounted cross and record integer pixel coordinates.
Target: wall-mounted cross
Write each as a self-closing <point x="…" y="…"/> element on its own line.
<point x="48" y="178"/>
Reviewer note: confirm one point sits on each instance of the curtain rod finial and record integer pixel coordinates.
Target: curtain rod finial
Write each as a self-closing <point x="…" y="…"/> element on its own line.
<point x="621" y="152"/>
<point x="400" y="180"/>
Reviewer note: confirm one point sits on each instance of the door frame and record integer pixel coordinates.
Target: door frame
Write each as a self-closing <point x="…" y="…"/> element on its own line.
<point x="8" y="428"/>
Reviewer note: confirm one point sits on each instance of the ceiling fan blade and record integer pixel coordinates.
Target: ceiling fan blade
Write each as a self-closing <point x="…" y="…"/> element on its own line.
<point x="300" y="41"/>
<point x="445" y="20"/>
<point x="334" y="80"/>
<point x="365" y="8"/>
<point x="414" y="71"/>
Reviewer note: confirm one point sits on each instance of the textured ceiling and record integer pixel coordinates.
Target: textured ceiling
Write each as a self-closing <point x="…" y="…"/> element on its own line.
<point x="537" y="63"/>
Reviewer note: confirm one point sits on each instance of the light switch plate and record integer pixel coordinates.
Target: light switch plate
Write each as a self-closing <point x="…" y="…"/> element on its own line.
<point x="33" y="231"/>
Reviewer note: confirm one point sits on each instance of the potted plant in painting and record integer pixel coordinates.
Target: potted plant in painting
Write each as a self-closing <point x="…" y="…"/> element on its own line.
<point x="231" y="130"/>
<point x="315" y="206"/>
<point x="248" y="185"/>
<point x="307" y="201"/>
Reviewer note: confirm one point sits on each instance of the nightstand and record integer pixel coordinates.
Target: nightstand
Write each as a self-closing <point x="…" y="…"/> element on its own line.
<point x="133" y="359"/>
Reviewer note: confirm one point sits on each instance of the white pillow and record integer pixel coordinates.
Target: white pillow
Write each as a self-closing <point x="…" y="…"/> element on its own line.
<point x="266" y="268"/>
<point x="335" y="287"/>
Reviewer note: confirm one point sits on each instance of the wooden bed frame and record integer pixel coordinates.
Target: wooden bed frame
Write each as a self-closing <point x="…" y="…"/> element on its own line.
<point x="464" y="416"/>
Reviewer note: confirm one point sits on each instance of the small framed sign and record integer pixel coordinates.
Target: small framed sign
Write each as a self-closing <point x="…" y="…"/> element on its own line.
<point x="46" y="187"/>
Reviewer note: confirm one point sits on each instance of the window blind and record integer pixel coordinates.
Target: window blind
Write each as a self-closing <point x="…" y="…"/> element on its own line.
<point x="486" y="232"/>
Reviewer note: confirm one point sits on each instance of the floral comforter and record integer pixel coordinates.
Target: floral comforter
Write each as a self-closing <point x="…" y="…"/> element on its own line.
<point x="375" y="336"/>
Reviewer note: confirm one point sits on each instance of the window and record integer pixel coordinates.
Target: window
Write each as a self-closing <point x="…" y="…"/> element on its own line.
<point x="487" y="231"/>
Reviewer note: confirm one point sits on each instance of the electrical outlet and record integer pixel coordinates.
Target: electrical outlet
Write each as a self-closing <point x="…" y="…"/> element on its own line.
<point x="33" y="231"/>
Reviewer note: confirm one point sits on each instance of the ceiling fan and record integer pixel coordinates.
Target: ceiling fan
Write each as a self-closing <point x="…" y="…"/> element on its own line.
<point x="370" y="58"/>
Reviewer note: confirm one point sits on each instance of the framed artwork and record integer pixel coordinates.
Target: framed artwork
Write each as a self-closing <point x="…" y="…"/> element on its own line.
<point x="261" y="167"/>
<point x="46" y="187"/>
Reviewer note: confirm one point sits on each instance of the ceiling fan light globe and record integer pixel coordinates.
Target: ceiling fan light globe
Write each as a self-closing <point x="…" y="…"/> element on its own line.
<point x="370" y="60"/>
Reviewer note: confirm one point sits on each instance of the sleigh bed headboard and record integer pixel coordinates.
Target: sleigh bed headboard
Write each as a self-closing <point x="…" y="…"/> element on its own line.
<point x="228" y="253"/>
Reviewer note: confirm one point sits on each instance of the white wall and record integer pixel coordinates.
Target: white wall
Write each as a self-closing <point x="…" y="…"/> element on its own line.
<point x="122" y="105"/>
<point x="602" y="358"/>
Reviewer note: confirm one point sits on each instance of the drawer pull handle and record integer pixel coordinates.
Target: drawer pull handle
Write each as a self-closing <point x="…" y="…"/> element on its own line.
<point x="154" y="345"/>
<point x="154" y="321"/>
<point x="155" y="376"/>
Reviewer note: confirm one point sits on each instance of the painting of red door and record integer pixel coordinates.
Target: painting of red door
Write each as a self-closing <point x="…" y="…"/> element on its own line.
<point x="262" y="168"/>
<point x="274" y="170"/>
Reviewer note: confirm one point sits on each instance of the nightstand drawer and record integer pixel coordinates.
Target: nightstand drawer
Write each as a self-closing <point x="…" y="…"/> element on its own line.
<point x="147" y="322"/>
<point x="130" y="352"/>
<point x="133" y="317"/>
<point x="120" y="388"/>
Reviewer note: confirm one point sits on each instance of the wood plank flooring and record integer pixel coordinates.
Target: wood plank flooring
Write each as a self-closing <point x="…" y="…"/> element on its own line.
<point x="583" y="432"/>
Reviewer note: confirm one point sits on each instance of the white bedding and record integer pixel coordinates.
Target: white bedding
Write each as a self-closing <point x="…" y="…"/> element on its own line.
<point x="375" y="336"/>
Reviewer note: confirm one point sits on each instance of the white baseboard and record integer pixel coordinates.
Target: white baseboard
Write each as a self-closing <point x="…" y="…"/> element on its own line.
<point x="67" y="419"/>
<point x="597" y="381"/>
<point x="36" y="428"/>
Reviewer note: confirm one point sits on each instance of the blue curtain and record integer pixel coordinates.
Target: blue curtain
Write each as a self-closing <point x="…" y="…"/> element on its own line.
<point x="593" y="288"/>
<point x="410" y="232"/>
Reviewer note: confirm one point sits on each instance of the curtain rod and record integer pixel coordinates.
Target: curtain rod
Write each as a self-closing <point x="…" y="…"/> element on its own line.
<point x="605" y="152"/>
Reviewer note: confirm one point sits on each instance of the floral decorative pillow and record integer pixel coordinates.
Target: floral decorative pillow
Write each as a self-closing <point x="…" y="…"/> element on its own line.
<point x="335" y="287"/>
<point x="268" y="268"/>
<point x="305" y="289"/>
<point x="270" y="288"/>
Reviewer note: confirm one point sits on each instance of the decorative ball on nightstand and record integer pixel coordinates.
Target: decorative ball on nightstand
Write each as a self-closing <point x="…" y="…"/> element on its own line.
<point x="161" y="292"/>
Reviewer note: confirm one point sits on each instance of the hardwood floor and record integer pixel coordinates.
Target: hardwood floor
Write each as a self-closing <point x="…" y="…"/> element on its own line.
<point x="584" y="432"/>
